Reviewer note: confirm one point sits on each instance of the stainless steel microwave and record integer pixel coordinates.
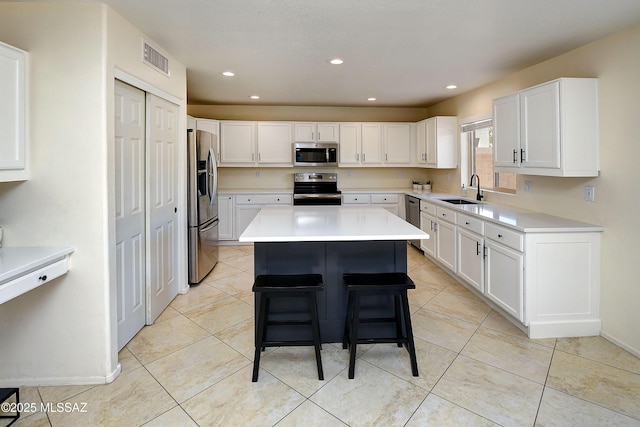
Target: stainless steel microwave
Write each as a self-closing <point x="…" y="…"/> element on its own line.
<point x="315" y="154"/>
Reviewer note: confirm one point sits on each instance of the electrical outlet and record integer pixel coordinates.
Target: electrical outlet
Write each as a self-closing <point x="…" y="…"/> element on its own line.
<point x="399" y="174"/>
<point x="448" y="176"/>
<point x="349" y="173"/>
<point x="528" y="186"/>
<point x="257" y="174"/>
<point x="590" y="193"/>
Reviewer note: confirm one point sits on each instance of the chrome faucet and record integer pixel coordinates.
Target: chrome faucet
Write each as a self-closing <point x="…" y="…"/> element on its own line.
<point x="478" y="196"/>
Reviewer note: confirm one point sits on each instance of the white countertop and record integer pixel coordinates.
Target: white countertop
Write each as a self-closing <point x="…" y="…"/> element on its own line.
<point x="328" y="224"/>
<point x="519" y="219"/>
<point x="18" y="261"/>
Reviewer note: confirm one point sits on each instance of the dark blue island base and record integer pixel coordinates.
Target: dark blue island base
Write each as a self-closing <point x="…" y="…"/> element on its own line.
<point x="331" y="260"/>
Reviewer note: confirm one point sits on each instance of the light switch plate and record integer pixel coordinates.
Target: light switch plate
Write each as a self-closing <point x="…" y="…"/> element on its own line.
<point x="590" y="193"/>
<point x="528" y="187"/>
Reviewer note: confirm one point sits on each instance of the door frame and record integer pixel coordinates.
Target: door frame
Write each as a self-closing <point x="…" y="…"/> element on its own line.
<point x="183" y="285"/>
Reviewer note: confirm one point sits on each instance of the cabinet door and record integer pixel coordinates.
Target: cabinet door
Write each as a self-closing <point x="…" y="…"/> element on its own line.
<point x="237" y="142"/>
<point x="506" y="131"/>
<point x="13" y="85"/>
<point x="421" y="141"/>
<point x="212" y="126"/>
<point x="504" y="278"/>
<point x="304" y="132"/>
<point x="371" y="143"/>
<point x="429" y="226"/>
<point x="431" y="151"/>
<point x="327" y="132"/>
<point x="397" y="143"/>
<point x="350" y="141"/>
<point x="225" y="215"/>
<point x="446" y="244"/>
<point x="470" y="258"/>
<point x="274" y="143"/>
<point x="540" y="138"/>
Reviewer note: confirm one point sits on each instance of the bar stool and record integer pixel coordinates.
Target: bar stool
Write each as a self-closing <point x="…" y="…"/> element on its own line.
<point x="6" y="393"/>
<point x="374" y="284"/>
<point x="270" y="287"/>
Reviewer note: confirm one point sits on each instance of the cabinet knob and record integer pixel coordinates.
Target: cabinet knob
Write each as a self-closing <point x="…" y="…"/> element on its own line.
<point x="467" y="223"/>
<point x="43" y="277"/>
<point x="500" y="236"/>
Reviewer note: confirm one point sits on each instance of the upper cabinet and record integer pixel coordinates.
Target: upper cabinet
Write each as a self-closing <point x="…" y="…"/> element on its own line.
<point x="360" y="144"/>
<point x="208" y="125"/>
<point x="255" y="143"/>
<point x="14" y="162"/>
<point x="316" y="132"/>
<point x="397" y="139"/>
<point x="437" y="139"/>
<point x="550" y="129"/>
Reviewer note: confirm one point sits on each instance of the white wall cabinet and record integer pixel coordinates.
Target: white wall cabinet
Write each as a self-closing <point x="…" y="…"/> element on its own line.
<point x="14" y="149"/>
<point x="437" y="141"/>
<point x="237" y="143"/>
<point x="550" y="129"/>
<point x="360" y="144"/>
<point x="371" y="144"/>
<point x="398" y="143"/>
<point x="275" y="144"/>
<point x="213" y="126"/>
<point x="316" y="132"/>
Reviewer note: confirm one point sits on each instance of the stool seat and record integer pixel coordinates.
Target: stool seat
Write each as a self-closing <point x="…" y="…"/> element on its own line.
<point x="273" y="286"/>
<point x="371" y="284"/>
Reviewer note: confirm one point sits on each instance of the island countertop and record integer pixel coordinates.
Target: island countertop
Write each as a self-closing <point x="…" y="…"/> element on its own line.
<point x="328" y="224"/>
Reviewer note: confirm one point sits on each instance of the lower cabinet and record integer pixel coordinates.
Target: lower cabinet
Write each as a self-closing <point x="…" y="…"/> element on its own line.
<point x="225" y="216"/>
<point x="390" y="202"/>
<point x="247" y="207"/>
<point x="531" y="277"/>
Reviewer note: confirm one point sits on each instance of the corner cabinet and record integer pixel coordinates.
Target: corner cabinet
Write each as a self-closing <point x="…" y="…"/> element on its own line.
<point x="14" y="152"/>
<point x="437" y="141"/>
<point x="550" y="129"/>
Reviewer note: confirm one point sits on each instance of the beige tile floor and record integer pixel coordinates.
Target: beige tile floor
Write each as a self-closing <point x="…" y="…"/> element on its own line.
<point x="193" y="368"/>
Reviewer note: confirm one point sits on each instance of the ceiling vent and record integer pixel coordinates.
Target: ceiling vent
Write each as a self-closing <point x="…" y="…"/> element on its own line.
<point x="155" y="59"/>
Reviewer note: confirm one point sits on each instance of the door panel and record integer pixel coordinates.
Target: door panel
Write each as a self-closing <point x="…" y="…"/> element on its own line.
<point x="129" y="120"/>
<point x="162" y="205"/>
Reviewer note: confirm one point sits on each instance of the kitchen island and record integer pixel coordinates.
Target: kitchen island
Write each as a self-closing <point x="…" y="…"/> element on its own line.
<point x="331" y="241"/>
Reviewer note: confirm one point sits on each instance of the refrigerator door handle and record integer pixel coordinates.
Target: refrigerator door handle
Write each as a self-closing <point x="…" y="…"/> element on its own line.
<point x="209" y="227"/>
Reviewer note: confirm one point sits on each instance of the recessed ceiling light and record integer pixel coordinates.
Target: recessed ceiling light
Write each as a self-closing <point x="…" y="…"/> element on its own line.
<point x="254" y="97"/>
<point x="228" y="73"/>
<point x="371" y="99"/>
<point x="336" y="61"/>
<point x="452" y="87"/>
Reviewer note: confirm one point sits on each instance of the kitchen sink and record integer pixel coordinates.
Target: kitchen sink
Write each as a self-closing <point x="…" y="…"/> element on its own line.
<point x="459" y="201"/>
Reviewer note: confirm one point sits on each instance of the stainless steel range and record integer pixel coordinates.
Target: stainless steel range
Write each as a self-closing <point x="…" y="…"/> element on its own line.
<point x="316" y="188"/>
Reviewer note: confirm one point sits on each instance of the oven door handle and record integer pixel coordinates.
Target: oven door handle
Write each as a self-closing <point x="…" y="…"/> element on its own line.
<point x="317" y="196"/>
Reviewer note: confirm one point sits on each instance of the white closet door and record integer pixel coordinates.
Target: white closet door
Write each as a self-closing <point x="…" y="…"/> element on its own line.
<point x="162" y="178"/>
<point x="130" y="210"/>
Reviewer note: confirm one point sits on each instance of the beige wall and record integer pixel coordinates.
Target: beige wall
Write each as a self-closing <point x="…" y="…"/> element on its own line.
<point x="63" y="332"/>
<point x="616" y="63"/>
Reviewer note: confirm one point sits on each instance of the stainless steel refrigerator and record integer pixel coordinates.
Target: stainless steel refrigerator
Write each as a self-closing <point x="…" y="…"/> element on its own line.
<point x="202" y="202"/>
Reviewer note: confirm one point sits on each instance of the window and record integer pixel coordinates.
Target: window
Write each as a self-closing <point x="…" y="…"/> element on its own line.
<point x="478" y="138"/>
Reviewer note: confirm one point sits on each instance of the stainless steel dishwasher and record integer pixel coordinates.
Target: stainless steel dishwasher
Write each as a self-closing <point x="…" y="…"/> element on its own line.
<point x="412" y="208"/>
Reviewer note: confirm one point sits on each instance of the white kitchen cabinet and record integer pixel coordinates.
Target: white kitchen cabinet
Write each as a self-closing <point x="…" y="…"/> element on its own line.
<point x="550" y="129"/>
<point x="247" y="207"/>
<point x="316" y="132"/>
<point x="437" y="139"/>
<point x="429" y="225"/>
<point x="14" y="149"/>
<point x="212" y="126"/>
<point x="470" y="246"/>
<point x="446" y="237"/>
<point x="225" y="217"/>
<point x="361" y="144"/>
<point x="397" y="140"/>
<point x="504" y="276"/>
<point x="237" y="143"/>
<point x="390" y="202"/>
<point x="275" y="144"/>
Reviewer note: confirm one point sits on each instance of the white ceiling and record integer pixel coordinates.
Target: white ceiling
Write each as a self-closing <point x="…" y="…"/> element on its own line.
<point x="403" y="52"/>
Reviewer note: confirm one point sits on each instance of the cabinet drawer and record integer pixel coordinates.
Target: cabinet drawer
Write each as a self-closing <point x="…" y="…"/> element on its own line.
<point x="446" y="214"/>
<point x="384" y="198"/>
<point x="427" y="208"/>
<point x="507" y="237"/>
<point x="264" y="199"/>
<point x="32" y="280"/>
<point x="355" y="199"/>
<point x="470" y="223"/>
